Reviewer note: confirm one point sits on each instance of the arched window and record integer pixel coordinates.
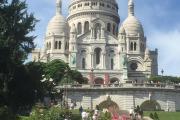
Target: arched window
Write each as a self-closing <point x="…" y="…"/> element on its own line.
<point x="56" y="44"/>
<point x="141" y="48"/>
<point x="114" y="29"/>
<point x="83" y="63"/>
<point x="135" y="46"/>
<point x="49" y="45"/>
<point x="59" y="44"/>
<point x="86" y="26"/>
<point x="109" y="27"/>
<point x="98" y="55"/>
<point x="112" y="64"/>
<point x="131" y="46"/>
<point x="97" y="32"/>
<point x="79" y="28"/>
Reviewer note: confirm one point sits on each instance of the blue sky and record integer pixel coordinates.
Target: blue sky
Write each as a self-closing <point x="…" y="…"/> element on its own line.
<point x="160" y="19"/>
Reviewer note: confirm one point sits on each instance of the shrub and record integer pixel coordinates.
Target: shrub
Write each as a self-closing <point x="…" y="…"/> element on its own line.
<point x="6" y="113"/>
<point x="156" y="117"/>
<point x="105" y="116"/>
<point x="53" y="113"/>
<point x="151" y="116"/>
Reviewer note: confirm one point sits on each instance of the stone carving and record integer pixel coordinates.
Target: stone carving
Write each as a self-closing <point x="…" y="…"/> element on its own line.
<point x="124" y="60"/>
<point x="73" y="59"/>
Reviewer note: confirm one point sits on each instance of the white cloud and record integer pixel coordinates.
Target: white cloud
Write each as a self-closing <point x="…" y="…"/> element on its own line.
<point x="168" y="44"/>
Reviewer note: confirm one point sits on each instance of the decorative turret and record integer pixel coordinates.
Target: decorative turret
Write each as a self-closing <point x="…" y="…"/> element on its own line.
<point x="73" y="39"/>
<point x="73" y="47"/>
<point x="122" y="39"/>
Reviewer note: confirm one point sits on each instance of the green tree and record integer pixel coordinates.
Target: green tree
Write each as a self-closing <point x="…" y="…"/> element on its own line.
<point x="35" y="71"/>
<point x="165" y="79"/>
<point x="6" y="113"/>
<point x="16" y="42"/>
<point x="77" y="76"/>
<point x="56" y="70"/>
<point x="22" y="90"/>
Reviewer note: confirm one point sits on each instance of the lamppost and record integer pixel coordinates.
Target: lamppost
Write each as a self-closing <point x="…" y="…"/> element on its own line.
<point x="162" y="72"/>
<point x="92" y="76"/>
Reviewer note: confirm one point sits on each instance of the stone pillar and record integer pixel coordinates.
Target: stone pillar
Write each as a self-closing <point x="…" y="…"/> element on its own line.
<point x="128" y="45"/>
<point x="92" y="59"/>
<point x="119" y="61"/>
<point x="83" y="30"/>
<point x="104" y="61"/>
<point x="92" y="33"/>
<point x="102" y="33"/>
<point x="52" y="44"/>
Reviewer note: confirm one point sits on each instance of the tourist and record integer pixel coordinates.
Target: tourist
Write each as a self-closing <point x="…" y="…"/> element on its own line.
<point x="81" y="109"/>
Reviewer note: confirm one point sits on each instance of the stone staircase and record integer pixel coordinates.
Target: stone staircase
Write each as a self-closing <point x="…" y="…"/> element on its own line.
<point x="128" y="102"/>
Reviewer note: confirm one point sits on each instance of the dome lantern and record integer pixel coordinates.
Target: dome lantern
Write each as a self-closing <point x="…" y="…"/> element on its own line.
<point x="58" y="6"/>
<point x="131" y="8"/>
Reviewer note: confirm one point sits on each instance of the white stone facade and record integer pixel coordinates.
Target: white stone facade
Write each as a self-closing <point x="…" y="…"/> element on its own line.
<point x="91" y="41"/>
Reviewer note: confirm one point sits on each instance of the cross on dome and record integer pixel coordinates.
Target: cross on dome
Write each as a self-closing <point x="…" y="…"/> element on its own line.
<point x="131" y="8"/>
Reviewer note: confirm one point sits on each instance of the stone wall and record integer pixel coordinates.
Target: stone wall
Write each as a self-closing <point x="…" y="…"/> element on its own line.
<point x="125" y="98"/>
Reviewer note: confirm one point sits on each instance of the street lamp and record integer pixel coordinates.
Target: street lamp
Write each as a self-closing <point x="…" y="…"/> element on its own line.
<point x="162" y="72"/>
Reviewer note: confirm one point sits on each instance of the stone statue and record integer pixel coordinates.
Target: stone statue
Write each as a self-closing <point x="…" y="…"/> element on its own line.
<point x="124" y="60"/>
<point x="73" y="59"/>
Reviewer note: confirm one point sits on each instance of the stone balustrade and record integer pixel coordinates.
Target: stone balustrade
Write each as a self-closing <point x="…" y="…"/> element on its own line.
<point x="123" y="85"/>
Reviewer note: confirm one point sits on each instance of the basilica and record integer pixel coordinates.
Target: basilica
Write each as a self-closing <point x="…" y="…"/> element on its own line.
<point x="93" y="40"/>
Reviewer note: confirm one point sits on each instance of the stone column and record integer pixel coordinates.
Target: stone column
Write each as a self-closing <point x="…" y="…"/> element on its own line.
<point x="104" y="60"/>
<point x="119" y="60"/>
<point x="92" y="59"/>
<point x="83" y="28"/>
<point x="127" y="45"/>
<point x="102" y="33"/>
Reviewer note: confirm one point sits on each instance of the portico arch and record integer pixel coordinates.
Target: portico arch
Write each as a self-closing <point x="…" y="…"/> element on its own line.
<point x="110" y="105"/>
<point x="97" y="52"/>
<point x="114" y="80"/>
<point x="150" y="105"/>
<point x="98" y="81"/>
<point x="85" y="80"/>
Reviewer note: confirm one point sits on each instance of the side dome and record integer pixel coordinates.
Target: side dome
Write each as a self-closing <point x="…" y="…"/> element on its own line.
<point x="57" y="25"/>
<point x="133" y="26"/>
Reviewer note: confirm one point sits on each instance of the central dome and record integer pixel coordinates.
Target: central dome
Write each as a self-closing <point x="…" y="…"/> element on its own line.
<point x="109" y="7"/>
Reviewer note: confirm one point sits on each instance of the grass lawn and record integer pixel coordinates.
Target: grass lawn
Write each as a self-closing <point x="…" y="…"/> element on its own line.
<point x="166" y="115"/>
